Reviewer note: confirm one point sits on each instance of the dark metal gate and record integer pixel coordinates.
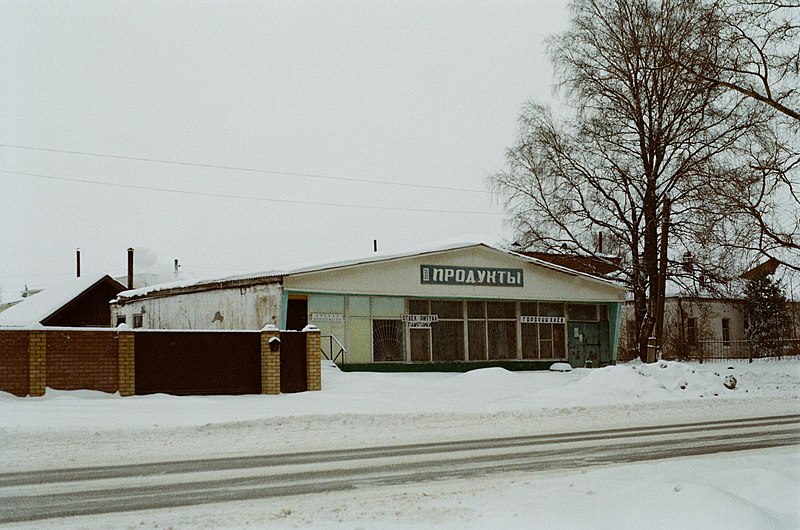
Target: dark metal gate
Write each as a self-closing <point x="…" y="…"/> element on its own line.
<point x="293" y="362"/>
<point x="197" y="362"/>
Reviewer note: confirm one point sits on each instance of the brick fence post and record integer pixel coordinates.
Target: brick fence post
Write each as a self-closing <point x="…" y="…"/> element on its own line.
<point x="126" y="360"/>
<point x="270" y="360"/>
<point x="37" y="359"/>
<point x="313" y="373"/>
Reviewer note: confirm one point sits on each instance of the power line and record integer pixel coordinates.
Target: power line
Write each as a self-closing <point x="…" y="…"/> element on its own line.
<point x="246" y="197"/>
<point x="248" y="169"/>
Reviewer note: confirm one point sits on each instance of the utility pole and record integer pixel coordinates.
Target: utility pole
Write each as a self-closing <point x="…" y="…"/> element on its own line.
<point x="662" y="276"/>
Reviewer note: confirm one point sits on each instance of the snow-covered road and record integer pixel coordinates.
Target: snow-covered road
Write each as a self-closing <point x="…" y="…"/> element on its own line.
<point x="31" y="496"/>
<point x="742" y="489"/>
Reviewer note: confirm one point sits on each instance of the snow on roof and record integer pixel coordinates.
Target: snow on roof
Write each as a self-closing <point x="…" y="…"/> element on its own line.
<point x="275" y="275"/>
<point x="35" y="308"/>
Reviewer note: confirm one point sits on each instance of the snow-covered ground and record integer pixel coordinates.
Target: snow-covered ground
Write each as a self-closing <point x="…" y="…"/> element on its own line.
<point x="752" y="489"/>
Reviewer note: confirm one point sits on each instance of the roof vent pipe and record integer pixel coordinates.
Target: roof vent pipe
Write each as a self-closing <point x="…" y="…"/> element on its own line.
<point x="78" y="263"/>
<point x="130" y="268"/>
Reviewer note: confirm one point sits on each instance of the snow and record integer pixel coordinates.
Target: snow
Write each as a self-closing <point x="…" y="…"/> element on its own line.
<point x="35" y="308"/>
<point x="561" y="367"/>
<point x="758" y="490"/>
<point x="748" y="489"/>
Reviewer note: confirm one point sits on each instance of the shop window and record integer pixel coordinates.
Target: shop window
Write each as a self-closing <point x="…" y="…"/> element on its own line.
<point x="502" y="336"/>
<point x="551" y="310"/>
<point x="546" y="341"/>
<point x="476" y="310"/>
<point x="559" y="342"/>
<point x="530" y="341"/>
<point x="418" y="307"/>
<point x="448" y="340"/>
<point x="447" y="309"/>
<point x="326" y="304"/>
<point x="583" y="312"/>
<point x="382" y="306"/>
<point x="387" y="340"/>
<point x="476" y="332"/>
<point x="501" y="310"/>
<point x="358" y="306"/>
<point x="420" y="344"/>
<point x="542" y="340"/>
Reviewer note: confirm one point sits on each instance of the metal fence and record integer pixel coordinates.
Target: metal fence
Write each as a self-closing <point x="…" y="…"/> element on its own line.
<point x="730" y="350"/>
<point x="718" y="350"/>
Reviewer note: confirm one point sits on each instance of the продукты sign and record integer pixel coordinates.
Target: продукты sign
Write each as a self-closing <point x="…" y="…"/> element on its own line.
<point x="482" y="276"/>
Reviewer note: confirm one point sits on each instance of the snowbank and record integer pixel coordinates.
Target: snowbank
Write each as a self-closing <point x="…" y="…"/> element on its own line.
<point x="751" y="489"/>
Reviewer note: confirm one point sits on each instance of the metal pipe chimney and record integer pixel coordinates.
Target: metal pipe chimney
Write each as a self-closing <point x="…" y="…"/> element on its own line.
<point x="78" y="263"/>
<point x="130" y="268"/>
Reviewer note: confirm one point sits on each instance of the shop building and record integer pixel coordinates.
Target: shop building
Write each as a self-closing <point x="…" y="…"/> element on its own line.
<point x="462" y="305"/>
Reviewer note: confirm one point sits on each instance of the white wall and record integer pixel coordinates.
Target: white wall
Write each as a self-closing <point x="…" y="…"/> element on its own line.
<point x="226" y="309"/>
<point x="401" y="277"/>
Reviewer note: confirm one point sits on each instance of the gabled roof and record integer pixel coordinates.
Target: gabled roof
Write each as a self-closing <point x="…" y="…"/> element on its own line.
<point x="761" y="270"/>
<point x="596" y="266"/>
<point x="36" y="308"/>
<point x="277" y="276"/>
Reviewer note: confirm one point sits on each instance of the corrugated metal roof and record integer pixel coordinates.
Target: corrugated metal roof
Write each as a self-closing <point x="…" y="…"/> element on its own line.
<point x="276" y="276"/>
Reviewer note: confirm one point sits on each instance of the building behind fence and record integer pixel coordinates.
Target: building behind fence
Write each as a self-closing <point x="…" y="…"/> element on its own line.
<point x="135" y="362"/>
<point x="711" y="328"/>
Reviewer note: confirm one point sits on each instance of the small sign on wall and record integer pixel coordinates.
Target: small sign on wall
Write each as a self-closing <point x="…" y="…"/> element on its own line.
<point x="327" y="317"/>
<point x="541" y="320"/>
<point x="419" y="321"/>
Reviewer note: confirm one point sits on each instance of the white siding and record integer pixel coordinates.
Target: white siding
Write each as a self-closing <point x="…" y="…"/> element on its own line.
<point x="250" y="307"/>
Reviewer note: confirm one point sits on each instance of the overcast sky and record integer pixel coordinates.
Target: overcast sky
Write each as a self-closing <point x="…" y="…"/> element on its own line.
<point x="420" y="98"/>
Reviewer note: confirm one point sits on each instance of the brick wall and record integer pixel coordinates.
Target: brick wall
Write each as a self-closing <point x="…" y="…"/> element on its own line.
<point x="14" y="362"/>
<point x="270" y="362"/>
<point x="84" y="359"/>
<point x="313" y="373"/>
<point x="104" y="360"/>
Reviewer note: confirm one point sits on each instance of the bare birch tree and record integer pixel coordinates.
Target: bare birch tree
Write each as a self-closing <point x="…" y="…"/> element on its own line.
<point x="755" y="51"/>
<point x="752" y="49"/>
<point x="629" y="162"/>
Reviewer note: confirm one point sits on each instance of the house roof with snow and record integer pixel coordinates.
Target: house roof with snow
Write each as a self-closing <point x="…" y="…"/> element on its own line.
<point x="276" y="276"/>
<point x="79" y="302"/>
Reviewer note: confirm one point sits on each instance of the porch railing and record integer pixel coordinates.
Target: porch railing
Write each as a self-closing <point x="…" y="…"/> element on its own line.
<point x="332" y="349"/>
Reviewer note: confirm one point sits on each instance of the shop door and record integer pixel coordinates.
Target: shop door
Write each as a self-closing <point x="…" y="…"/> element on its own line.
<point x="297" y="314"/>
<point x="583" y="343"/>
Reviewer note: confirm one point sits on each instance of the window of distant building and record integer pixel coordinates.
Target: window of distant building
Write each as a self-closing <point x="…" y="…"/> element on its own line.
<point x="137" y="321"/>
<point x="630" y="329"/>
<point x="726" y="332"/>
<point x="691" y="330"/>
<point x="121" y="319"/>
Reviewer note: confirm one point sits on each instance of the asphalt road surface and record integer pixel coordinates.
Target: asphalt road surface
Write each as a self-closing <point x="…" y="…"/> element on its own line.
<point x="36" y="495"/>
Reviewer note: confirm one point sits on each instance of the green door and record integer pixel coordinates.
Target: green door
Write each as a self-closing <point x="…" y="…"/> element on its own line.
<point x="583" y="344"/>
